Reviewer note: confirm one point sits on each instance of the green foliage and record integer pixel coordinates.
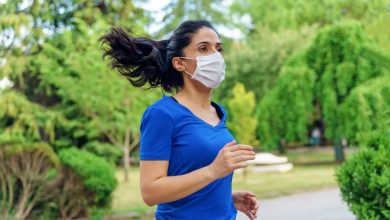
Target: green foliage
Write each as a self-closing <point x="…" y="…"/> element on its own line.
<point x="27" y="120"/>
<point x="375" y="30"/>
<point x="106" y="151"/>
<point x="294" y="90"/>
<point x="177" y="11"/>
<point x="97" y="213"/>
<point x="241" y="118"/>
<point x="293" y="14"/>
<point x="314" y="84"/>
<point x="342" y="58"/>
<point x="98" y="101"/>
<point x="25" y="32"/>
<point x="58" y="67"/>
<point x="376" y="138"/>
<point x="34" y="182"/>
<point x="97" y="175"/>
<point x="269" y="130"/>
<point x="89" y="177"/>
<point x="257" y="61"/>
<point x="367" y="108"/>
<point x="364" y="179"/>
<point x="27" y="179"/>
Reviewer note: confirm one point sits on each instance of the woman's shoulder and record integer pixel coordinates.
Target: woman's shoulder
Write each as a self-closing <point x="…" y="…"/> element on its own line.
<point x="160" y="108"/>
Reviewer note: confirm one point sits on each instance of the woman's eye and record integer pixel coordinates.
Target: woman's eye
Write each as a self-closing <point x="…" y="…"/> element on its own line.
<point x="220" y="49"/>
<point x="203" y="49"/>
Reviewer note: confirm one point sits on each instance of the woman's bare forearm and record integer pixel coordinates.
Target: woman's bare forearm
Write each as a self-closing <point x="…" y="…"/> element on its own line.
<point x="172" y="188"/>
<point x="158" y="187"/>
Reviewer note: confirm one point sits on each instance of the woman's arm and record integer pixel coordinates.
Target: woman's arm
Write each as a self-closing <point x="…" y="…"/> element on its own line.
<point x="157" y="187"/>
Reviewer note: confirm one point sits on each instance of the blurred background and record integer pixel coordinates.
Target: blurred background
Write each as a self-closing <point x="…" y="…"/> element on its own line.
<point x="308" y="84"/>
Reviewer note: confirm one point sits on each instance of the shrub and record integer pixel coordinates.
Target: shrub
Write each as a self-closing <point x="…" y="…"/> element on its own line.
<point x="89" y="177"/>
<point x="241" y="121"/>
<point x="109" y="152"/>
<point x="27" y="179"/>
<point x="364" y="179"/>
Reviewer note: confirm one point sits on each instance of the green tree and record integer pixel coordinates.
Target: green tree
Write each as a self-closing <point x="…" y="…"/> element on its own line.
<point x="257" y="60"/>
<point x="177" y="11"/>
<point x="341" y="58"/>
<point x="366" y="109"/>
<point x="241" y="119"/>
<point x="287" y="109"/>
<point x="277" y="29"/>
<point x="24" y="26"/>
<point x="112" y="108"/>
<point x="26" y="121"/>
<point x="58" y="67"/>
<point x="293" y="14"/>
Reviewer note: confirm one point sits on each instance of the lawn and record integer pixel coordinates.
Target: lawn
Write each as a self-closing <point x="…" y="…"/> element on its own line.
<point x="314" y="155"/>
<point x="127" y="197"/>
<point x="302" y="177"/>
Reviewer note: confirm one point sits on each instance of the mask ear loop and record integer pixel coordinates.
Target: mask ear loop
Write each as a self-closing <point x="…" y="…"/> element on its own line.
<point x="192" y="75"/>
<point x="189" y="58"/>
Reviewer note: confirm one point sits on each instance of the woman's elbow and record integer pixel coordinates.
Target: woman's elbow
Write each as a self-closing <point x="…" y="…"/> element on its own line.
<point x="148" y="198"/>
<point x="148" y="201"/>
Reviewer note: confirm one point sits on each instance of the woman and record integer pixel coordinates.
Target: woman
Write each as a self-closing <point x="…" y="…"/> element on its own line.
<point x="187" y="153"/>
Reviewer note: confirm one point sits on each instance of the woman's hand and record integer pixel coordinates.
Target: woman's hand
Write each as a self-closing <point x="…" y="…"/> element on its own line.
<point x="231" y="157"/>
<point x="247" y="203"/>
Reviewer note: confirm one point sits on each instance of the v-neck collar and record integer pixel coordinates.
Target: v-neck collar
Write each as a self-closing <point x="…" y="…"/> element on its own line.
<point x="216" y="106"/>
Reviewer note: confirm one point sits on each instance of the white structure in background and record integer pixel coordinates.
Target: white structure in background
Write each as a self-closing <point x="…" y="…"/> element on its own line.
<point x="5" y="83"/>
<point x="266" y="162"/>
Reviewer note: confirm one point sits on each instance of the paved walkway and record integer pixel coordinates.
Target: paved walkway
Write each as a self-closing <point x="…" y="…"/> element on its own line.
<point x="319" y="205"/>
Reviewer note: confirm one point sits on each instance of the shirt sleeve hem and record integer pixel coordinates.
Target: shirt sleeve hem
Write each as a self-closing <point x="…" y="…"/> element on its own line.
<point x="153" y="158"/>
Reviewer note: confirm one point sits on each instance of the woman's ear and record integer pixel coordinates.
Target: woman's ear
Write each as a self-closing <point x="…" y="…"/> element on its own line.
<point x="178" y="64"/>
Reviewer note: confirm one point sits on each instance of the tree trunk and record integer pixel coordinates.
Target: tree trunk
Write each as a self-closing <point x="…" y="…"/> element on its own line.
<point x="339" y="151"/>
<point x="282" y="146"/>
<point x="126" y="162"/>
<point x="126" y="156"/>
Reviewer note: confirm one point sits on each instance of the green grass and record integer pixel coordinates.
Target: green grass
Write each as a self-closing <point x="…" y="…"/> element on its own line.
<point x="317" y="175"/>
<point x="314" y="155"/>
<point x="127" y="196"/>
<point x="300" y="178"/>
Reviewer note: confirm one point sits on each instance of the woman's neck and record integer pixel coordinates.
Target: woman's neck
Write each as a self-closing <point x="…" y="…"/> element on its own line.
<point x="195" y="97"/>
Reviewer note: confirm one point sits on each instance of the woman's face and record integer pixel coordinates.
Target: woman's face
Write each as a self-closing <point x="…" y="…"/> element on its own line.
<point x="204" y="42"/>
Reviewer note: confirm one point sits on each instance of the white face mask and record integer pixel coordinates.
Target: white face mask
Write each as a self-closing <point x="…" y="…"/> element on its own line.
<point x="210" y="69"/>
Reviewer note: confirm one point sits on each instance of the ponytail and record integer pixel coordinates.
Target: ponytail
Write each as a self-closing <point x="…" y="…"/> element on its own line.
<point x="142" y="60"/>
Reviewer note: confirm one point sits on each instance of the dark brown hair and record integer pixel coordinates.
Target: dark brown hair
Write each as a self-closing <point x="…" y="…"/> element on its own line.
<point x="142" y="60"/>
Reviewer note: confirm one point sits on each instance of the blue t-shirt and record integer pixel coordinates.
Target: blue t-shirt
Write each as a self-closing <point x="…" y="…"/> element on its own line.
<point x="170" y="131"/>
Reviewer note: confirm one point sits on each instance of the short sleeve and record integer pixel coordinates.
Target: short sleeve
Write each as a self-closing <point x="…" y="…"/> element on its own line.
<point x="156" y="135"/>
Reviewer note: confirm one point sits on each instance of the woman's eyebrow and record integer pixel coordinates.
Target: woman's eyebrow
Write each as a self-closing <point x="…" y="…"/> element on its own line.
<point x="206" y="42"/>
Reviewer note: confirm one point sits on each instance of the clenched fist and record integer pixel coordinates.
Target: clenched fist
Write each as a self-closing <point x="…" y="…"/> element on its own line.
<point x="231" y="157"/>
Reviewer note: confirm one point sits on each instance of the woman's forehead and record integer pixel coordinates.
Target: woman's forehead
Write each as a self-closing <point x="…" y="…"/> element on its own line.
<point x="205" y="35"/>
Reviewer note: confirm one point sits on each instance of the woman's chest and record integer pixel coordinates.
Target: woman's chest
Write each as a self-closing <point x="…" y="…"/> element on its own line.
<point x="196" y="145"/>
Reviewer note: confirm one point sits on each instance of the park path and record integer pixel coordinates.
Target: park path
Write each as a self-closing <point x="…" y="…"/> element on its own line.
<point x="324" y="204"/>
